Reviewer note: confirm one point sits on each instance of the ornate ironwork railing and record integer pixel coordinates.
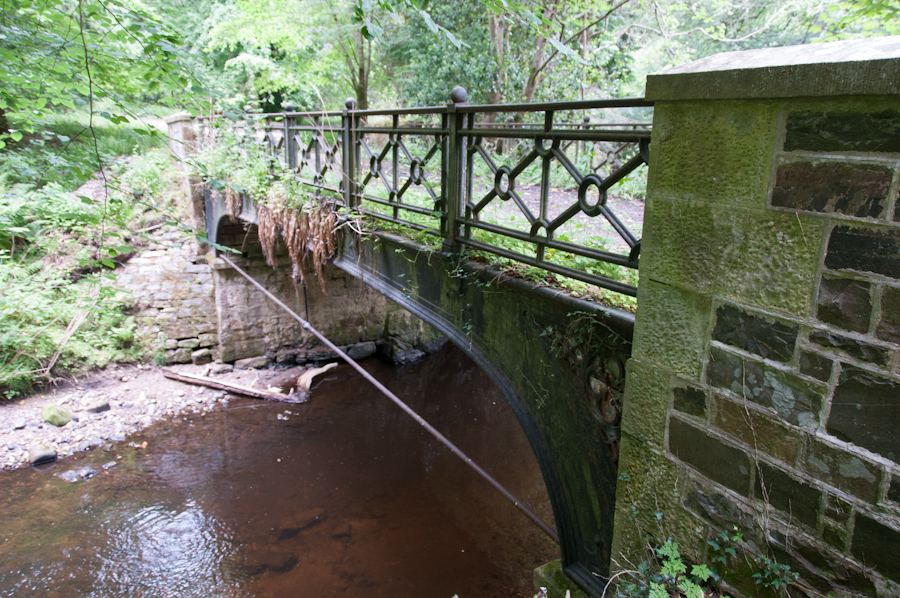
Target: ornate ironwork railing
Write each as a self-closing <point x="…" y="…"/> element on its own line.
<point x="515" y="180"/>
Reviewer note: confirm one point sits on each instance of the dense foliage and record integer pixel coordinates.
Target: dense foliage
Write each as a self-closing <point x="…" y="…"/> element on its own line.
<point x="84" y="83"/>
<point x="315" y="53"/>
<point x="79" y="78"/>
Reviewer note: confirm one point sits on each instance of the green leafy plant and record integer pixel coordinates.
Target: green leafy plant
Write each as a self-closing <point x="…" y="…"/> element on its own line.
<point x="667" y="575"/>
<point x="773" y="574"/>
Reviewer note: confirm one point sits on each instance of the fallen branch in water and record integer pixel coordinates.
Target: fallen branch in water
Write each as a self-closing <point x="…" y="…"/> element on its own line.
<point x="306" y="378"/>
<point x="237" y="389"/>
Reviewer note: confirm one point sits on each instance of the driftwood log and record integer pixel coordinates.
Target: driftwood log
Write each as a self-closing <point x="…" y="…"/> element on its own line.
<point x="299" y="396"/>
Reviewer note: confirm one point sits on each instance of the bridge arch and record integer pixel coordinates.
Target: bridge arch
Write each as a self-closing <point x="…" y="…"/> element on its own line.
<point x="558" y="360"/>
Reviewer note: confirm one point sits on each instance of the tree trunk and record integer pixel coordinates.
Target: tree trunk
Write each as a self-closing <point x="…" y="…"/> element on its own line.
<point x="535" y="69"/>
<point x="362" y="74"/>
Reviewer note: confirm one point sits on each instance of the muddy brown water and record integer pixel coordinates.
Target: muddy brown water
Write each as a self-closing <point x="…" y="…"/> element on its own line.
<point x="345" y="497"/>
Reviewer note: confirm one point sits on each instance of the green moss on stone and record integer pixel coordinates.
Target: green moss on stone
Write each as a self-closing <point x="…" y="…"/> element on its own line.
<point x="671" y="327"/>
<point x="552" y="577"/>
<point x="647" y="389"/>
<point x="56" y="415"/>
<point x="648" y="504"/>
<point x="720" y="152"/>
<point x="759" y="258"/>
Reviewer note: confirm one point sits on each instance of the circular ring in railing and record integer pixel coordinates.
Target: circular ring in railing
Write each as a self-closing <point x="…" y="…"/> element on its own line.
<point x="589" y="181"/>
<point x="542" y="150"/>
<point x="536" y="227"/>
<point x="415" y="171"/>
<point x="373" y="166"/>
<point x="503" y="183"/>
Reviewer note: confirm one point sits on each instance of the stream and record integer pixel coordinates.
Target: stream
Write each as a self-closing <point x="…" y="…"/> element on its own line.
<point x="342" y="496"/>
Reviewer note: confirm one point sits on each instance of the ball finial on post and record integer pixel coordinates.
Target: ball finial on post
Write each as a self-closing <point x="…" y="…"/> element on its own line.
<point x="459" y="94"/>
<point x="350" y="103"/>
<point x="289" y="107"/>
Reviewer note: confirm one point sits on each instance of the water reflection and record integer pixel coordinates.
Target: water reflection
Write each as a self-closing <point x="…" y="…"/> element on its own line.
<point x="84" y="540"/>
<point x="185" y="549"/>
<point x="345" y="497"/>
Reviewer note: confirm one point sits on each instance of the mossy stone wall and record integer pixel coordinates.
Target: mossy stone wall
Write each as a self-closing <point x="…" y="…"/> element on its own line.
<point x="764" y="389"/>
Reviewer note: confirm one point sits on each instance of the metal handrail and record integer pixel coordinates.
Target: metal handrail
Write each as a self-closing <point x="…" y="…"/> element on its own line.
<point x="336" y="157"/>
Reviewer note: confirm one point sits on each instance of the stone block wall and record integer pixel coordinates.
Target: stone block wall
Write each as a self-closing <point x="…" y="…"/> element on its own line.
<point x="347" y="312"/>
<point x="764" y="389"/>
<point x="172" y="290"/>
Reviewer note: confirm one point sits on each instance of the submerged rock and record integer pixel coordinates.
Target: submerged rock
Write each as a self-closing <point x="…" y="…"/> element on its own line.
<point x="56" y="415"/>
<point x="74" y="475"/>
<point x="69" y="476"/>
<point x="86" y="473"/>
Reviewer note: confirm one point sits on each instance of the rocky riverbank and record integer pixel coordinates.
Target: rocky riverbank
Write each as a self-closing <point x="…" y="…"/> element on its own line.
<point x="111" y="404"/>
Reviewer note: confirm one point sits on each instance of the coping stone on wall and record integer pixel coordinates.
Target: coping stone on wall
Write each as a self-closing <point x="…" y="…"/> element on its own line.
<point x="852" y="67"/>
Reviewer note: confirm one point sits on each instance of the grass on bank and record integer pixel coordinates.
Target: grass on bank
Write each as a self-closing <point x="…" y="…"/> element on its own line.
<point x="59" y="313"/>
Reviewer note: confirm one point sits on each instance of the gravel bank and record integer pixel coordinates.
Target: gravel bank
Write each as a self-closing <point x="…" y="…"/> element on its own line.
<point x="126" y="398"/>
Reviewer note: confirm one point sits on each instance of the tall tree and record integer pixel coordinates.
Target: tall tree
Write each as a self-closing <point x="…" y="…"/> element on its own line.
<point x="295" y="47"/>
<point x="77" y="52"/>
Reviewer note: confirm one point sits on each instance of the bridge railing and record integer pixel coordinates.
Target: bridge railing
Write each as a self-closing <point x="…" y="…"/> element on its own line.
<point x="520" y="181"/>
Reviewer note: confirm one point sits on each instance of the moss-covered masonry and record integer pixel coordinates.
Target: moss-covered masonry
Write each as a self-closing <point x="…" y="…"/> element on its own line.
<point x="764" y="389"/>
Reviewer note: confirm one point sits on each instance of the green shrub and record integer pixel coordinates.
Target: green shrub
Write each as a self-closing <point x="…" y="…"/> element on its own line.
<point x="57" y="248"/>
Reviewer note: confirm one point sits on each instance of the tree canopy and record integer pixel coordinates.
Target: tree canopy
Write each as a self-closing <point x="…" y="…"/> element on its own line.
<point x="404" y="52"/>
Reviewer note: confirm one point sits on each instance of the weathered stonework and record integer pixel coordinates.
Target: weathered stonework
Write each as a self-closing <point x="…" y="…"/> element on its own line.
<point x="347" y="312"/>
<point x="834" y="188"/>
<point x="172" y="289"/>
<point x="778" y="387"/>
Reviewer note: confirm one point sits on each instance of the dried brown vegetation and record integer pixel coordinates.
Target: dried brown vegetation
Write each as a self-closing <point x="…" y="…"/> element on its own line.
<point x="233" y="203"/>
<point x="310" y="235"/>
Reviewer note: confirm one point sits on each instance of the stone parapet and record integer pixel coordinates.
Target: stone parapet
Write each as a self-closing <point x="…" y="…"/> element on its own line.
<point x="861" y="67"/>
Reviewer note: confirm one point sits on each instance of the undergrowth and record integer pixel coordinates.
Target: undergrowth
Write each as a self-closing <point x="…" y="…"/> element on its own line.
<point x="59" y="311"/>
<point x="61" y="150"/>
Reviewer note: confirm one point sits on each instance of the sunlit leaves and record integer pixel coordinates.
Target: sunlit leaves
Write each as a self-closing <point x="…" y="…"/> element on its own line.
<point x="74" y="52"/>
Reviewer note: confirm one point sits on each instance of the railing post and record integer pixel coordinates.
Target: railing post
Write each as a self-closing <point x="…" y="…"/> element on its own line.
<point x="289" y="152"/>
<point x="456" y="150"/>
<point x="348" y="164"/>
<point x="318" y="138"/>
